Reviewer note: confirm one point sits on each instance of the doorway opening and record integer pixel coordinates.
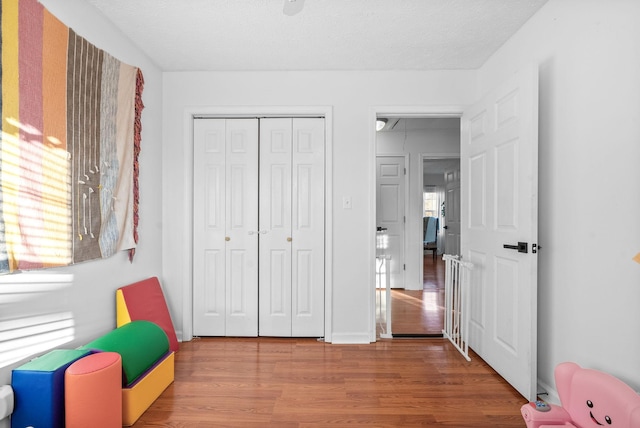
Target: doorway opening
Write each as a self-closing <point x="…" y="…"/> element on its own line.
<point x="431" y="147"/>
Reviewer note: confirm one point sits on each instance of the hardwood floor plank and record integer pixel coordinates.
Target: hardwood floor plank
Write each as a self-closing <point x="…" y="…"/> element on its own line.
<point x="267" y="382"/>
<point x="421" y="312"/>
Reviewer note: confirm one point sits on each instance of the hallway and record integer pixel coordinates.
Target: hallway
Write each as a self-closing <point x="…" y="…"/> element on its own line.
<point x="420" y="312"/>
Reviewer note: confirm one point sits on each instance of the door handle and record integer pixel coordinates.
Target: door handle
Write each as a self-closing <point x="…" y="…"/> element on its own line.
<point x="445" y="227"/>
<point x="257" y="232"/>
<point x="522" y="247"/>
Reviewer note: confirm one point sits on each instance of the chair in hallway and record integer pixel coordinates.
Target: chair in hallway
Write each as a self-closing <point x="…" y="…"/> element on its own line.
<point x="430" y="230"/>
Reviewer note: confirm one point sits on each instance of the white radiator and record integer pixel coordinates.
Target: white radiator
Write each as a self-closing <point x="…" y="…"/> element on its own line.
<point x="456" y="303"/>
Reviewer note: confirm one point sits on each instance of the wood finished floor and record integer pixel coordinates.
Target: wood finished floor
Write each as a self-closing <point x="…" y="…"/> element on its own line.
<point x="421" y="311"/>
<point x="270" y="382"/>
<point x="417" y="312"/>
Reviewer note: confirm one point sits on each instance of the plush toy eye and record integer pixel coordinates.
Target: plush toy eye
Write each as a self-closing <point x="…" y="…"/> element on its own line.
<point x="589" y="403"/>
<point x="608" y="419"/>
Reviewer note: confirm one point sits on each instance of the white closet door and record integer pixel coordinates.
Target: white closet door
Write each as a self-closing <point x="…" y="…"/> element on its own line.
<point x="209" y="307"/>
<point x="292" y="227"/>
<point x="275" y="227"/>
<point x="307" y="270"/>
<point x="242" y="220"/>
<point x="225" y="288"/>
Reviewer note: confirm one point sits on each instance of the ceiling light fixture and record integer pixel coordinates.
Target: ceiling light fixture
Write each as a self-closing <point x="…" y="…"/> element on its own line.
<point x="291" y="7"/>
<point x="380" y="123"/>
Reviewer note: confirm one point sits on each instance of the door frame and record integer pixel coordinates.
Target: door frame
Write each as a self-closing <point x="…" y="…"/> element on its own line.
<point x="192" y="113"/>
<point x="395" y="112"/>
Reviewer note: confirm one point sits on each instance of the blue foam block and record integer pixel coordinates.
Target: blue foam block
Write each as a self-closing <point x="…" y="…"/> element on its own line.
<point x="38" y="388"/>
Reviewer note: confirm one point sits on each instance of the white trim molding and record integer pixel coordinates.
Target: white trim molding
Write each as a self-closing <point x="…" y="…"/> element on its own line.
<point x="391" y="111"/>
<point x="190" y="113"/>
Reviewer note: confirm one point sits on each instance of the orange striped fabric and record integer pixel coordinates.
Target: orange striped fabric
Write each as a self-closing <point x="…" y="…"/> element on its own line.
<point x="67" y="144"/>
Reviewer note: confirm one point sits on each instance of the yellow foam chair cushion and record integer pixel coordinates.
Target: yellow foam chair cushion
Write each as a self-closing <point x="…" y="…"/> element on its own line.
<point x="137" y="399"/>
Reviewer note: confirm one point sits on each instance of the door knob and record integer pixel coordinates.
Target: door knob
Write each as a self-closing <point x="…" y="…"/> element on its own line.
<point x="257" y="232"/>
<point x="445" y="227"/>
<point x="226" y="238"/>
<point x="522" y="247"/>
<point x="289" y="239"/>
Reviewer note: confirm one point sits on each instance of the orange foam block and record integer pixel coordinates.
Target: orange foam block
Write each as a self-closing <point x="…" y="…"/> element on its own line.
<point x="137" y="398"/>
<point x="144" y="300"/>
<point x="93" y="396"/>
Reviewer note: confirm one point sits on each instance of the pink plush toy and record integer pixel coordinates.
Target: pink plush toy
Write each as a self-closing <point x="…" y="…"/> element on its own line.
<point x="589" y="398"/>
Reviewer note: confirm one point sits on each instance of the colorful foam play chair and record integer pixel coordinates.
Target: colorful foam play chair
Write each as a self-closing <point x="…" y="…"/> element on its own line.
<point x="144" y="300"/>
<point x="39" y="389"/>
<point x="147" y="364"/>
<point x="589" y="398"/>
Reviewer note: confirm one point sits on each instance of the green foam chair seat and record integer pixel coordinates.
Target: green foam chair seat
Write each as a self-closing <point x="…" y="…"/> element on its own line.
<point x="140" y="344"/>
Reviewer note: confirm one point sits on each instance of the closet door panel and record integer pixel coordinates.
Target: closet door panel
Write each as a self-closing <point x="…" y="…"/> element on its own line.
<point x="279" y="267"/>
<point x="241" y="221"/>
<point x="308" y="227"/>
<point x="209" y="305"/>
<point x="275" y="227"/>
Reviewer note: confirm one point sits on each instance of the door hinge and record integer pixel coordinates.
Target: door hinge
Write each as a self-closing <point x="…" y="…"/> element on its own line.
<point x="404" y="267"/>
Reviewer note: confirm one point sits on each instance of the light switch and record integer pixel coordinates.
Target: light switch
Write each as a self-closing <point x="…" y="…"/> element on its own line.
<point x="346" y="202"/>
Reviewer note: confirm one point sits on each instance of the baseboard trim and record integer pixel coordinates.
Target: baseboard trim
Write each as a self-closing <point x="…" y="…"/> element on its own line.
<point x="350" y="338"/>
<point x="548" y="393"/>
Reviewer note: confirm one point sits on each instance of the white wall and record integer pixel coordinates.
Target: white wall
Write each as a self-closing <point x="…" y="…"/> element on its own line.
<point x="90" y="294"/>
<point x="433" y="142"/>
<point x="353" y="97"/>
<point x="588" y="52"/>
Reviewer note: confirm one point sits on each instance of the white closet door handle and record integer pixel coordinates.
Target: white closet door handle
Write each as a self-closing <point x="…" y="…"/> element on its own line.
<point x="257" y="232"/>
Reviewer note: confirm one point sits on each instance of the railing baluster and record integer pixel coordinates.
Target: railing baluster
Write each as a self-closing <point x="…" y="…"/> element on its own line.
<point x="456" y="296"/>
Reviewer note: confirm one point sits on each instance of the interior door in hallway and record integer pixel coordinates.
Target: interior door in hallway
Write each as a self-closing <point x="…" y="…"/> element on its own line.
<point x="291" y="227"/>
<point x="499" y="159"/>
<point x="452" y="211"/>
<point x="390" y="213"/>
<point x="225" y="270"/>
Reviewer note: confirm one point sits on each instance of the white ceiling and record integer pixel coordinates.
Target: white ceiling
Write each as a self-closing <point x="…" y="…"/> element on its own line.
<point x="234" y="35"/>
<point x="438" y="167"/>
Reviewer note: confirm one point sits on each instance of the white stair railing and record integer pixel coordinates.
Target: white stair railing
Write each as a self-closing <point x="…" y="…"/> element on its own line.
<point x="456" y="303"/>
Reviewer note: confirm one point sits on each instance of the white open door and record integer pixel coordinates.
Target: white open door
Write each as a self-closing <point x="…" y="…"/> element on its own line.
<point x="452" y="211"/>
<point x="390" y="213"/>
<point x="499" y="160"/>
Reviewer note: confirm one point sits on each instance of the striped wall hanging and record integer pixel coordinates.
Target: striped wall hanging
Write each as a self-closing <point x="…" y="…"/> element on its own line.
<point x="70" y="140"/>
